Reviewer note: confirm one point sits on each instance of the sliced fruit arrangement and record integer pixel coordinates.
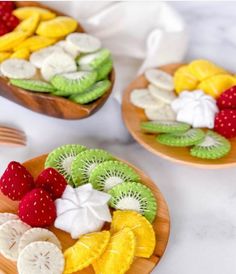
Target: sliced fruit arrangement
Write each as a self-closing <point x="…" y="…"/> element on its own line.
<point x="200" y="96"/>
<point x="41" y="52"/>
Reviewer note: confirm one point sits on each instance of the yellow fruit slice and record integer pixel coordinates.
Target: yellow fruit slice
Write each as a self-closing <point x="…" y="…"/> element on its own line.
<point x="58" y="27"/>
<point x="217" y="84"/>
<point x="143" y="230"/>
<point x="86" y="250"/>
<point x="4" y="56"/>
<point x="35" y="43"/>
<point x="29" y="25"/>
<point x="118" y="255"/>
<point x="184" y="79"/>
<point x="10" y="40"/>
<point x="26" y="12"/>
<point x="21" y="54"/>
<point x="203" y="69"/>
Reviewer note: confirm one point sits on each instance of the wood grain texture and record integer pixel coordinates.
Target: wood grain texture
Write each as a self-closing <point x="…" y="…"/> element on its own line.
<point x="133" y="116"/>
<point x="48" y="104"/>
<point x="140" y="265"/>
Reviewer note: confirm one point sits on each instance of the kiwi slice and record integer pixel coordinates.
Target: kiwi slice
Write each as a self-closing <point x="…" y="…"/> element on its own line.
<point x="213" y="146"/>
<point x="85" y="162"/>
<point x="92" y="93"/>
<point x="134" y="196"/>
<point x="184" y="139"/>
<point x="33" y="85"/>
<point x="111" y="173"/>
<point x="74" y="82"/>
<point x="104" y="69"/>
<point x="61" y="159"/>
<point x="164" y="126"/>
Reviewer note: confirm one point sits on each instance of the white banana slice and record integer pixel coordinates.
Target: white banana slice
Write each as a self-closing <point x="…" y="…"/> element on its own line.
<point x="68" y="48"/>
<point x="84" y="42"/>
<point x="41" y="258"/>
<point x="10" y="234"/>
<point x="5" y="217"/>
<point x="38" y="57"/>
<point x="161" y="94"/>
<point x="57" y="63"/>
<point x="160" y="79"/>
<point x="18" y="69"/>
<point x="143" y="99"/>
<point x="36" y="235"/>
<point x="162" y="113"/>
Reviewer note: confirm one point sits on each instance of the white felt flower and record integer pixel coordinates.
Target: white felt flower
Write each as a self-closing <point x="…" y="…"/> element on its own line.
<point x="195" y="108"/>
<point x="82" y="210"/>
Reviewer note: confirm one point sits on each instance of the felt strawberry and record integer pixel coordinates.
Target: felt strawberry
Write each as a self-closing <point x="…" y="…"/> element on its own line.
<point x="7" y="6"/>
<point x="10" y="20"/>
<point x="51" y="181"/>
<point x="16" y="181"/>
<point x="37" y="208"/>
<point x="3" y="28"/>
<point x="225" y="123"/>
<point x="227" y="99"/>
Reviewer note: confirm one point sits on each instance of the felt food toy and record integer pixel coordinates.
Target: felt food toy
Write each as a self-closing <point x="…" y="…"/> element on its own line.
<point x="225" y="123"/>
<point x="11" y="40"/>
<point x="21" y="54"/>
<point x="195" y="108"/>
<point x="26" y="12"/>
<point x="4" y="55"/>
<point x="29" y="25"/>
<point x="227" y="99"/>
<point x="82" y="210"/>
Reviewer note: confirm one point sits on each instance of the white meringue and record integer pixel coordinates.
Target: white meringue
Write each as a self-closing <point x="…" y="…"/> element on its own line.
<point x="195" y="108"/>
<point x="82" y="210"/>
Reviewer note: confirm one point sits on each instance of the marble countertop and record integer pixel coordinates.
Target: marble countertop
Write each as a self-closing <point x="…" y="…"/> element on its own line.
<point x="202" y="202"/>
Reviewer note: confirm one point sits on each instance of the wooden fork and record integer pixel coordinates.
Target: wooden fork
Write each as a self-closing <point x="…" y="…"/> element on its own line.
<point x="12" y="137"/>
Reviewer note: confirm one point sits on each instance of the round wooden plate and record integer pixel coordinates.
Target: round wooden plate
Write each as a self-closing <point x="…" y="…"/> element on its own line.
<point x="140" y="265"/>
<point x="133" y="116"/>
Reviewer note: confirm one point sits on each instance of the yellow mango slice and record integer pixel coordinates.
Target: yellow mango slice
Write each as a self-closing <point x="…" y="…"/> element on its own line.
<point x="203" y="69"/>
<point x="184" y="79"/>
<point x="58" y="27"/>
<point x="29" y="25"/>
<point x="26" y="12"/>
<point x="217" y="84"/>
<point x="4" y="56"/>
<point x="35" y="43"/>
<point x="10" y="40"/>
<point x="21" y="54"/>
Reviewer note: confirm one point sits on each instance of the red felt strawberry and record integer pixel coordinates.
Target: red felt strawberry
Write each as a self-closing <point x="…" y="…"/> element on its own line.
<point x="16" y="181"/>
<point x="37" y="209"/>
<point x="227" y="99"/>
<point x="7" y="6"/>
<point x="10" y="20"/>
<point x="3" y="28"/>
<point x="225" y="123"/>
<point x="51" y="181"/>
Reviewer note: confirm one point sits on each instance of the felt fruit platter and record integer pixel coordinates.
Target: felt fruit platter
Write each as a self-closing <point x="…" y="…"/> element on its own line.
<point x="80" y="210"/>
<point x="185" y="113"/>
<point x="49" y="65"/>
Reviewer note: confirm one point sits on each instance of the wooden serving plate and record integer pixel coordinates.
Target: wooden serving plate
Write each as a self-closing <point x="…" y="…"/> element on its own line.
<point x="133" y="116"/>
<point x="48" y="104"/>
<point x="140" y="265"/>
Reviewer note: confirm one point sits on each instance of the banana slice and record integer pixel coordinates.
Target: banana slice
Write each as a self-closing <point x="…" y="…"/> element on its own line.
<point x="68" y="48"/>
<point x="164" y="112"/>
<point x="41" y="258"/>
<point x="10" y="234"/>
<point x="36" y="235"/>
<point x="161" y="94"/>
<point x="5" y="217"/>
<point x="143" y="99"/>
<point x="18" y="69"/>
<point x="84" y="42"/>
<point x="57" y="63"/>
<point x="160" y="79"/>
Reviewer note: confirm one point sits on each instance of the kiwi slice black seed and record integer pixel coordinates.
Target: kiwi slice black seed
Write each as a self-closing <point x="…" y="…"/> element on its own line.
<point x="85" y="162"/>
<point x="213" y="146"/>
<point x="33" y="85"/>
<point x="61" y="159"/>
<point x="111" y="173"/>
<point x="134" y="196"/>
<point x="104" y="69"/>
<point x="164" y="126"/>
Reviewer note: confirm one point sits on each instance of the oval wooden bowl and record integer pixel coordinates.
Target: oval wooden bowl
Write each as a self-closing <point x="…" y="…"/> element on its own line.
<point x="50" y="105"/>
<point x="140" y="265"/>
<point x="133" y="116"/>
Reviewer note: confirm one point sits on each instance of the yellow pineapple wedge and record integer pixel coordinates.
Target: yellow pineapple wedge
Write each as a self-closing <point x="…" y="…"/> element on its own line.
<point x="26" y="12"/>
<point x="12" y="39"/>
<point x="21" y="54"/>
<point x="4" y="55"/>
<point x="29" y="25"/>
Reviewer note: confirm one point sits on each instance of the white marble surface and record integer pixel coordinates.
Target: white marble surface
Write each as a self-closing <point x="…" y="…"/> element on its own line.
<point x="202" y="203"/>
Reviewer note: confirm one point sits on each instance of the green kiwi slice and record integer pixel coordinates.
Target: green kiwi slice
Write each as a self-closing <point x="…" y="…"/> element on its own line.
<point x="104" y="69"/>
<point x="213" y="146"/>
<point x="134" y="196"/>
<point x="92" y="93"/>
<point x="61" y="159"/>
<point x="33" y="85"/>
<point x="75" y="82"/>
<point x="85" y="162"/>
<point x="164" y="126"/>
<point x="184" y="139"/>
<point x="111" y="173"/>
